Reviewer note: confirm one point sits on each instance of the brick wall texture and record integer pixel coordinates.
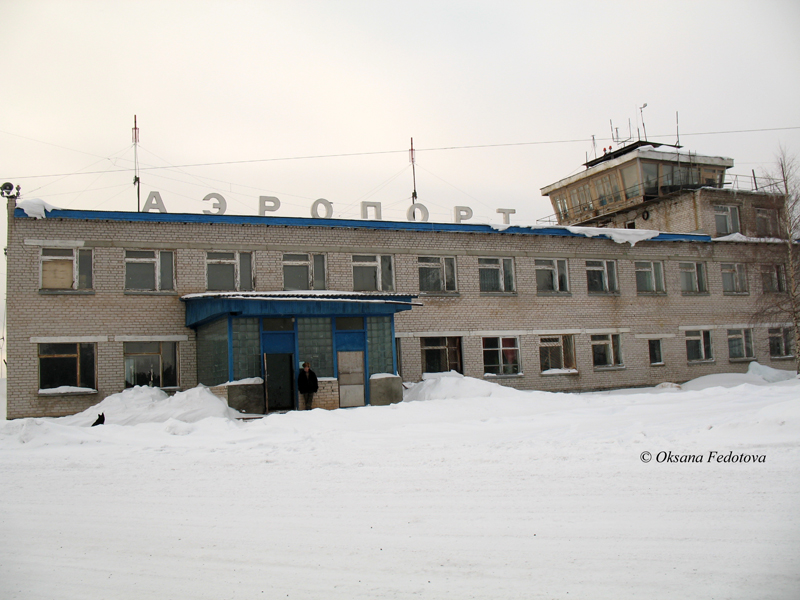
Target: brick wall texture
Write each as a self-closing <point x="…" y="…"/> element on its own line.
<point x="107" y="314"/>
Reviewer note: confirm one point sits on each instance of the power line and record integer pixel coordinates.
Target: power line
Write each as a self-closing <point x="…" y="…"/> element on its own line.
<point x="380" y="152"/>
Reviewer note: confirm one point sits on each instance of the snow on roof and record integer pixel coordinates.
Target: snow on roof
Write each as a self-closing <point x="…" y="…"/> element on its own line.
<point x="36" y="207"/>
<point x="738" y="237"/>
<point x="620" y="236"/>
<point x="316" y="295"/>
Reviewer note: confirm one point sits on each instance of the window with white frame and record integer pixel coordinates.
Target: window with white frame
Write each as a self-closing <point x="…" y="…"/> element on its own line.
<point x="781" y="342"/>
<point x="740" y="344"/>
<point x="656" y="354"/>
<point x="501" y="356"/>
<point x="496" y="274"/>
<point x="698" y="345"/>
<point x="149" y="270"/>
<point x="66" y="269"/>
<point x="606" y="350"/>
<point x="373" y="273"/>
<point x="773" y="278"/>
<point x="726" y="218"/>
<point x="693" y="278"/>
<point x="153" y="364"/>
<point x="437" y="273"/>
<point x="67" y="364"/>
<point x="557" y="353"/>
<point x="766" y="222"/>
<point x="551" y="275"/>
<point x="734" y="278"/>
<point x="649" y="277"/>
<point x="304" y="272"/>
<point x="229" y="271"/>
<point x="601" y="276"/>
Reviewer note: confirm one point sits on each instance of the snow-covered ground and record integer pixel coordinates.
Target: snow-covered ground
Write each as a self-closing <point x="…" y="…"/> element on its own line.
<point x="465" y="490"/>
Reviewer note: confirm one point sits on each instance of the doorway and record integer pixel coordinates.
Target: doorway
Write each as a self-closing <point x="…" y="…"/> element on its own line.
<point x="351" y="378"/>
<point x="279" y="376"/>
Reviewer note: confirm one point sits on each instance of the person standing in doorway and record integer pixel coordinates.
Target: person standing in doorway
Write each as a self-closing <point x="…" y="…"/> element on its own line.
<point x="307" y="385"/>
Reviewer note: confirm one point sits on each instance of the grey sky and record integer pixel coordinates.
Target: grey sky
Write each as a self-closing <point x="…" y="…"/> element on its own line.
<point x="239" y="81"/>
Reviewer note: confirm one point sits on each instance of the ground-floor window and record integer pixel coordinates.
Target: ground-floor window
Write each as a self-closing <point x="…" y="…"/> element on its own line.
<point x="740" y="343"/>
<point x="698" y="345"/>
<point x="781" y="344"/>
<point x="67" y="365"/>
<point x="501" y="356"/>
<point x="441" y="354"/>
<point x="607" y="350"/>
<point x="557" y="352"/>
<point x="656" y="356"/>
<point x="380" y="345"/>
<point x="152" y="364"/>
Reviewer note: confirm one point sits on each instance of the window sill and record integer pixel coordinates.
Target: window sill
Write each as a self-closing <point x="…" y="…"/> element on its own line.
<point x="591" y="293"/>
<point x="601" y="369"/>
<point x="556" y="372"/>
<point x="661" y="364"/>
<point x="497" y="294"/>
<point x="439" y="294"/>
<point x="49" y="292"/>
<point x="742" y="360"/>
<point x="695" y="294"/>
<point x="701" y="362"/>
<point x="735" y="293"/>
<point x="661" y="294"/>
<point x="493" y="376"/>
<point x="790" y="357"/>
<point x="56" y="394"/>
<point x="150" y="293"/>
<point x="551" y="294"/>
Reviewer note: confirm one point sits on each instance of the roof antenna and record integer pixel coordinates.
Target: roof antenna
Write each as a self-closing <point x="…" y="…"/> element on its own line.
<point x="641" y="114"/>
<point x="412" y="157"/>
<point x="136" y="180"/>
<point x="677" y="130"/>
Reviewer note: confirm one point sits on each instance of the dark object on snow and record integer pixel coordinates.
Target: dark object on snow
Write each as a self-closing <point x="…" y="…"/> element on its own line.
<point x="101" y="418"/>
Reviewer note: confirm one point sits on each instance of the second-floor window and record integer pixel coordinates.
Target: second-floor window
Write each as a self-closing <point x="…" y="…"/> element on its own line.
<point x="551" y="275"/>
<point x="727" y="219"/>
<point x="773" y="278"/>
<point x="496" y="274"/>
<point x="693" y="278"/>
<point x="66" y="269"/>
<point x="734" y="278"/>
<point x="304" y="272"/>
<point x="766" y="222"/>
<point x="601" y="276"/>
<point x="649" y="277"/>
<point x="229" y="271"/>
<point x="150" y="270"/>
<point x="373" y="273"/>
<point x="437" y="273"/>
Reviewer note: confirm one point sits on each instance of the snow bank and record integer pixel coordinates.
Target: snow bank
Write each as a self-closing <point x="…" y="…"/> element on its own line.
<point x="248" y="381"/>
<point x="769" y="374"/>
<point x="142" y="404"/>
<point x="36" y="207"/>
<point x="453" y="385"/>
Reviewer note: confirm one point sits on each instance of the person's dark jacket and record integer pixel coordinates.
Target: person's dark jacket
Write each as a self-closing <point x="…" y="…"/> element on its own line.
<point x="307" y="382"/>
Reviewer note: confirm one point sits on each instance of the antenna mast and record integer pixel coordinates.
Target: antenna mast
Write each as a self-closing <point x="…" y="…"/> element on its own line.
<point x="136" y="180"/>
<point x="412" y="157"/>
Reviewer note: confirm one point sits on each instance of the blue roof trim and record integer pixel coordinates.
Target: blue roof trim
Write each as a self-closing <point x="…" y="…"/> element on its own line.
<point x="148" y="217"/>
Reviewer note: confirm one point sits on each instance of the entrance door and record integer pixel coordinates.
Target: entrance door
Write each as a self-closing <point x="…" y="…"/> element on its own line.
<point x="280" y="381"/>
<point x="351" y="378"/>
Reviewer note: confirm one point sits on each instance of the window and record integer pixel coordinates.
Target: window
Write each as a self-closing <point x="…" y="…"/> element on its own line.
<point x="740" y="344"/>
<point x="501" y="356"/>
<point x="630" y="224"/>
<point x="149" y="270"/>
<point x="496" y="274"/>
<point x="649" y="277"/>
<point x="601" y="276"/>
<point x="70" y="365"/>
<point x="630" y="179"/>
<point x="727" y="219"/>
<point x="153" y="364"/>
<point x="561" y="207"/>
<point x="698" y="346"/>
<point x="650" y="176"/>
<point x="693" y="278"/>
<point x="551" y="275"/>
<point x="781" y="342"/>
<point x="441" y="354"/>
<point x="607" y="350"/>
<point x="372" y="273"/>
<point x="773" y="278"/>
<point x="304" y="272"/>
<point x="437" y="274"/>
<point x="734" y="278"/>
<point x="766" y="222"/>
<point x="602" y="186"/>
<point x="229" y="271"/>
<point x="656" y="357"/>
<point x="557" y="353"/>
<point x="61" y="270"/>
